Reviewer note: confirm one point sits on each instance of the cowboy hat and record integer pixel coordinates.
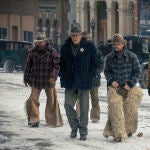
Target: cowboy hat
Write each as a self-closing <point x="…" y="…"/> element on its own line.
<point x="41" y="36"/>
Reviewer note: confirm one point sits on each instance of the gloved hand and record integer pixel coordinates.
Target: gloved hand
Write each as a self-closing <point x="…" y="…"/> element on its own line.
<point x="52" y="80"/>
<point x="26" y="84"/>
<point x="122" y="91"/>
<point x="149" y="91"/>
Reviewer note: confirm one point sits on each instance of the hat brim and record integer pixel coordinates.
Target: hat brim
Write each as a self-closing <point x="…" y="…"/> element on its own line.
<point x="46" y="39"/>
<point x="74" y="33"/>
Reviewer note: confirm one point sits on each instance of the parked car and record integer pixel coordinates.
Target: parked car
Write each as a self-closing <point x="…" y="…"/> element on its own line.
<point x="140" y="45"/>
<point x="13" y="54"/>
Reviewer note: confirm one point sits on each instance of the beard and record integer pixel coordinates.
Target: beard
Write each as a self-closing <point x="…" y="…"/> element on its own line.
<point x="41" y="49"/>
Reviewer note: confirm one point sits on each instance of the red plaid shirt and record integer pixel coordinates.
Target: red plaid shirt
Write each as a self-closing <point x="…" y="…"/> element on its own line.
<point x="40" y="67"/>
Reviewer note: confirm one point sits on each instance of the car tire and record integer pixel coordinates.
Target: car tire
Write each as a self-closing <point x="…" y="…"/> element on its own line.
<point x="143" y="80"/>
<point x="9" y="66"/>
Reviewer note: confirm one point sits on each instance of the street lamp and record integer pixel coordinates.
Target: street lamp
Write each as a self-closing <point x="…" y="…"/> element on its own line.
<point x="92" y="23"/>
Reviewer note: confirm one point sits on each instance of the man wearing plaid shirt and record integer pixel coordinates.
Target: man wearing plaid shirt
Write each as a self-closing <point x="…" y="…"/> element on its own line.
<point x="122" y="72"/>
<point x="41" y="72"/>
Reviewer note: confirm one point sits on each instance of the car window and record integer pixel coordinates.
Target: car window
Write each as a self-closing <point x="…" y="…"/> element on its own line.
<point x="145" y="45"/>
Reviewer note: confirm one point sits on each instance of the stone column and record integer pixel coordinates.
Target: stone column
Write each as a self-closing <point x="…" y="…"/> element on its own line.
<point x="82" y="15"/>
<point x="77" y="11"/>
<point x="135" y="16"/>
<point x="109" y="23"/>
<point x="129" y="22"/>
<point x="122" y="20"/>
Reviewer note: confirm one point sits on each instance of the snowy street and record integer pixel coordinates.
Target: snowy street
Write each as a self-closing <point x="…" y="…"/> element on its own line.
<point x="16" y="135"/>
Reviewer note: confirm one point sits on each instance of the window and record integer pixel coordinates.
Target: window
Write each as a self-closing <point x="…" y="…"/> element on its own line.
<point x="145" y="46"/>
<point x="3" y="33"/>
<point x="28" y="36"/>
<point x="129" y="44"/>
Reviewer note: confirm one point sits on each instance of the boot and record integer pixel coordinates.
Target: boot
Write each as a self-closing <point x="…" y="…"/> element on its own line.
<point x="74" y="133"/>
<point x="95" y="114"/>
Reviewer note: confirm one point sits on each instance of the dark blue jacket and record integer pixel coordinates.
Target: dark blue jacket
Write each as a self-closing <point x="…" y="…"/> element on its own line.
<point x="78" y="71"/>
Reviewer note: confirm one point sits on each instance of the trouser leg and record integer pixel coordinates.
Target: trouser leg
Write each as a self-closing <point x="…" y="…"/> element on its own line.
<point x="95" y="110"/>
<point x="70" y="100"/>
<point x="52" y="110"/>
<point x="131" y="104"/>
<point x="78" y="108"/>
<point x="32" y="105"/>
<point x="115" y="113"/>
<point x="83" y="96"/>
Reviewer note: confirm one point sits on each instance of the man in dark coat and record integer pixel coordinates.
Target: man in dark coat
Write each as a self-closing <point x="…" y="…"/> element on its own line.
<point x="78" y="65"/>
<point x="41" y="72"/>
<point x="95" y="110"/>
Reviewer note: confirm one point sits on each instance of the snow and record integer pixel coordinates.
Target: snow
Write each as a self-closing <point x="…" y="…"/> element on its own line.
<point x="15" y="134"/>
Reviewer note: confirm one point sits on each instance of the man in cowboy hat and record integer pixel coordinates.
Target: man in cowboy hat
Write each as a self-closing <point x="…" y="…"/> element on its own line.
<point x="122" y="72"/>
<point x="41" y="72"/>
<point x="78" y="65"/>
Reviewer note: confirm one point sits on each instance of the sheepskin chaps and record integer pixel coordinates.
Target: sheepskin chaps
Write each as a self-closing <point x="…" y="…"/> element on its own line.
<point x="122" y="113"/>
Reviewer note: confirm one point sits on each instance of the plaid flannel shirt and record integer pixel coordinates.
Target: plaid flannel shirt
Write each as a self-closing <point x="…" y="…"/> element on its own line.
<point x="39" y="68"/>
<point x="123" y="68"/>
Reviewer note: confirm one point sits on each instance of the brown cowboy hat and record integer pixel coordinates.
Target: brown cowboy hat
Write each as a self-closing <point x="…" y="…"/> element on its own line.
<point x="41" y="36"/>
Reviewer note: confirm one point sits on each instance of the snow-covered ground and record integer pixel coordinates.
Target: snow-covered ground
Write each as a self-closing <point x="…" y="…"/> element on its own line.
<point x="16" y="135"/>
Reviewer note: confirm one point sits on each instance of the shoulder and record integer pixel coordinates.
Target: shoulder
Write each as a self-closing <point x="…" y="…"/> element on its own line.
<point x="109" y="55"/>
<point x="53" y="51"/>
<point x="131" y="54"/>
<point x="32" y="50"/>
<point x="66" y="43"/>
<point x="108" y="58"/>
<point x="65" y="46"/>
<point x="87" y="42"/>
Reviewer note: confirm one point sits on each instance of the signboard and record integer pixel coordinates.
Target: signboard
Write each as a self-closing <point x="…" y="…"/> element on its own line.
<point x="47" y="8"/>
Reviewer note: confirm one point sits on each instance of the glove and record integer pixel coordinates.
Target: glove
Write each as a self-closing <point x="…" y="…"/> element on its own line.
<point x="122" y="91"/>
<point x="52" y="80"/>
<point x="149" y="91"/>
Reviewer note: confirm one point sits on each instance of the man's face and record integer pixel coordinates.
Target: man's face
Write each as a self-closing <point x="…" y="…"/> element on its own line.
<point x="41" y="43"/>
<point x="76" y="38"/>
<point x="118" y="46"/>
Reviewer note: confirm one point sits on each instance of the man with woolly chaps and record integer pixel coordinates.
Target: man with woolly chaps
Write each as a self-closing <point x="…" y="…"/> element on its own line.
<point x="122" y="72"/>
<point x="41" y="72"/>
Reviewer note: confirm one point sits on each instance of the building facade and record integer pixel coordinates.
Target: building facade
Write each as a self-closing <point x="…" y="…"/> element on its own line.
<point x="20" y="20"/>
<point x="109" y="16"/>
<point x="144" y="9"/>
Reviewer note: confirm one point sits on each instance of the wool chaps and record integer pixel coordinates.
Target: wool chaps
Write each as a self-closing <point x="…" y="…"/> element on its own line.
<point x="95" y="110"/>
<point x="122" y="113"/>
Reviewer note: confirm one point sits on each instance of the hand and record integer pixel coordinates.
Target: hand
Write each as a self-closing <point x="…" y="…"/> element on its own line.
<point x="115" y="84"/>
<point x="26" y="84"/>
<point x="52" y="80"/>
<point x="149" y="91"/>
<point x="126" y="87"/>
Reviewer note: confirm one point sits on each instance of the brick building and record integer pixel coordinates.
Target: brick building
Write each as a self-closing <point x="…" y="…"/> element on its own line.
<point x="21" y="19"/>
